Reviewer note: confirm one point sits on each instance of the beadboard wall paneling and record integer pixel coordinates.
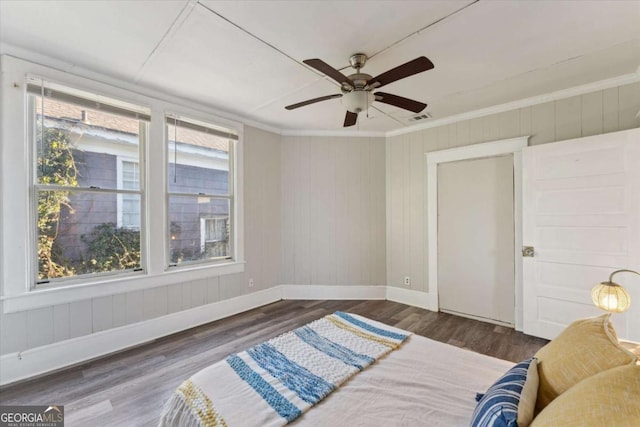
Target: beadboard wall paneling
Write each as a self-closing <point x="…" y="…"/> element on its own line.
<point x="333" y="214"/>
<point x="263" y="249"/>
<point x="61" y="329"/>
<point x="40" y="326"/>
<point x="594" y="113"/>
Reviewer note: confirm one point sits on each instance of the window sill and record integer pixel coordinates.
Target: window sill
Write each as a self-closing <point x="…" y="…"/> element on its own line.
<point x="63" y="294"/>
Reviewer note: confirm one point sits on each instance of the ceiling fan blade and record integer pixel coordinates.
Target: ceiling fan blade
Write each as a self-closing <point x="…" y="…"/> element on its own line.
<point x="410" y="68"/>
<point x="312" y="101"/>
<point x="327" y="69"/>
<point x="350" y="119"/>
<point x="399" y="101"/>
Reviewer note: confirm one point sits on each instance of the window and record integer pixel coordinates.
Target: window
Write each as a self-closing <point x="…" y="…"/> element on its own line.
<point x="200" y="186"/>
<point x="87" y="201"/>
<point x="84" y="194"/>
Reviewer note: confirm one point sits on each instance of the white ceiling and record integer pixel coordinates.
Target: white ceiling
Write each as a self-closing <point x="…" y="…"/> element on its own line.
<point x="245" y="57"/>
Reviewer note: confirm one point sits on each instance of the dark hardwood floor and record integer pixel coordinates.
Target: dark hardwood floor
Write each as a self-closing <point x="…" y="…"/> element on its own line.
<point x="130" y="387"/>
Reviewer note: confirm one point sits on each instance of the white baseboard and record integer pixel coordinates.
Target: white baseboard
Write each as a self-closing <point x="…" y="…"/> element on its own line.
<point x="411" y="297"/>
<point x="36" y="361"/>
<point x="332" y="292"/>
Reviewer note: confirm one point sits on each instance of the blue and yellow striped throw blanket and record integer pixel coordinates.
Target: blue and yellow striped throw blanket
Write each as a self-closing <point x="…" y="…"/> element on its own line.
<point x="273" y="383"/>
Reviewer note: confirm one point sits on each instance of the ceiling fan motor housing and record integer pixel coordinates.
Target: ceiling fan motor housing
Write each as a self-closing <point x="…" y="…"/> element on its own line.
<point x="359" y="81"/>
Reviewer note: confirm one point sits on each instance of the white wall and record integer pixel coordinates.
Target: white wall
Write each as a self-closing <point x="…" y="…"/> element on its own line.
<point x="594" y="113"/>
<point x="333" y="217"/>
<point x="262" y="209"/>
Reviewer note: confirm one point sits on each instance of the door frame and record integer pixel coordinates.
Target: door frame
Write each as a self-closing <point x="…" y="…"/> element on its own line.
<point x="512" y="146"/>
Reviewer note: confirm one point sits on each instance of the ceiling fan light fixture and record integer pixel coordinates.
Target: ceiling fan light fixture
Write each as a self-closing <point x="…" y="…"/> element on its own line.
<point x="358" y="100"/>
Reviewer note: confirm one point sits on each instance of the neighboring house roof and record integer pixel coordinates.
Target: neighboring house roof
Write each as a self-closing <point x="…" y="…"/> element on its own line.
<point x="78" y="115"/>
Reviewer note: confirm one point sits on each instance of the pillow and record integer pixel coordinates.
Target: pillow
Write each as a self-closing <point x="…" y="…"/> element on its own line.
<point x="610" y="398"/>
<point x="510" y="400"/>
<point x="586" y="347"/>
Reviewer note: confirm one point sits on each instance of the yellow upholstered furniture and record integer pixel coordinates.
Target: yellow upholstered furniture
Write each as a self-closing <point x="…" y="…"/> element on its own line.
<point x="610" y="398"/>
<point x="585" y="348"/>
<point x="633" y="347"/>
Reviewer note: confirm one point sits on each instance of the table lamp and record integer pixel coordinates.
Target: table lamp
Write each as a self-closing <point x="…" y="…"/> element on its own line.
<point x="611" y="296"/>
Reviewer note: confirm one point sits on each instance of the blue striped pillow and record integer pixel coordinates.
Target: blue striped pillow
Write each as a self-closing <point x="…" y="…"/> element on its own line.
<point x="502" y="404"/>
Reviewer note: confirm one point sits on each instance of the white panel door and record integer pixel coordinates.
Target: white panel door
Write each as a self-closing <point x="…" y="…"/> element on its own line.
<point x="581" y="212"/>
<point x="475" y="238"/>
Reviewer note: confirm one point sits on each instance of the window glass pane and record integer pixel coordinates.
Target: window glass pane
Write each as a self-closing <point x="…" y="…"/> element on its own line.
<point x="199" y="228"/>
<point x="77" y="234"/>
<point x="198" y="162"/>
<point x="80" y="146"/>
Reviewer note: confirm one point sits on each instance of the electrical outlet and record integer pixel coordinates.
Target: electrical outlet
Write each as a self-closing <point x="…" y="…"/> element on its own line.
<point x="251" y="283"/>
<point x="407" y="281"/>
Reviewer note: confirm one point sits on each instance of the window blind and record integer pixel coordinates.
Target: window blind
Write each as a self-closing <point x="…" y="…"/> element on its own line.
<point x="37" y="89"/>
<point x="229" y="134"/>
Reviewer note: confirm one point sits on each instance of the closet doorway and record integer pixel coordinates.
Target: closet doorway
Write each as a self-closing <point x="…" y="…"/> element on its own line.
<point x="474" y="231"/>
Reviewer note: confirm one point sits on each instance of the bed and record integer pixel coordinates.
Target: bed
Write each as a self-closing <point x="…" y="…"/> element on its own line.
<point x="378" y="375"/>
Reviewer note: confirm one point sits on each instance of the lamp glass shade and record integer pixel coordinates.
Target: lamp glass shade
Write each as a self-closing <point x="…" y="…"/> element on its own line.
<point x="611" y="297"/>
<point x="357" y="100"/>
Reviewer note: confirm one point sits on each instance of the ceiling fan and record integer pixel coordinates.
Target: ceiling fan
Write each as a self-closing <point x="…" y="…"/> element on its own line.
<point x="357" y="89"/>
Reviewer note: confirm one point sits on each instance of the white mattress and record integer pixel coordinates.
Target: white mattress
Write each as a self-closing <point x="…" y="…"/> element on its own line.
<point x="424" y="383"/>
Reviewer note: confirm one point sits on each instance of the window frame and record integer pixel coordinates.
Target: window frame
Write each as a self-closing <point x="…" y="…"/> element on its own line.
<point x="17" y="270"/>
<point x="36" y="187"/>
<point x="230" y="196"/>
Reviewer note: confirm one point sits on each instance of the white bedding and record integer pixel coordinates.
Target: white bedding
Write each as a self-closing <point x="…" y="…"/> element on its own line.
<point x="424" y="383"/>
